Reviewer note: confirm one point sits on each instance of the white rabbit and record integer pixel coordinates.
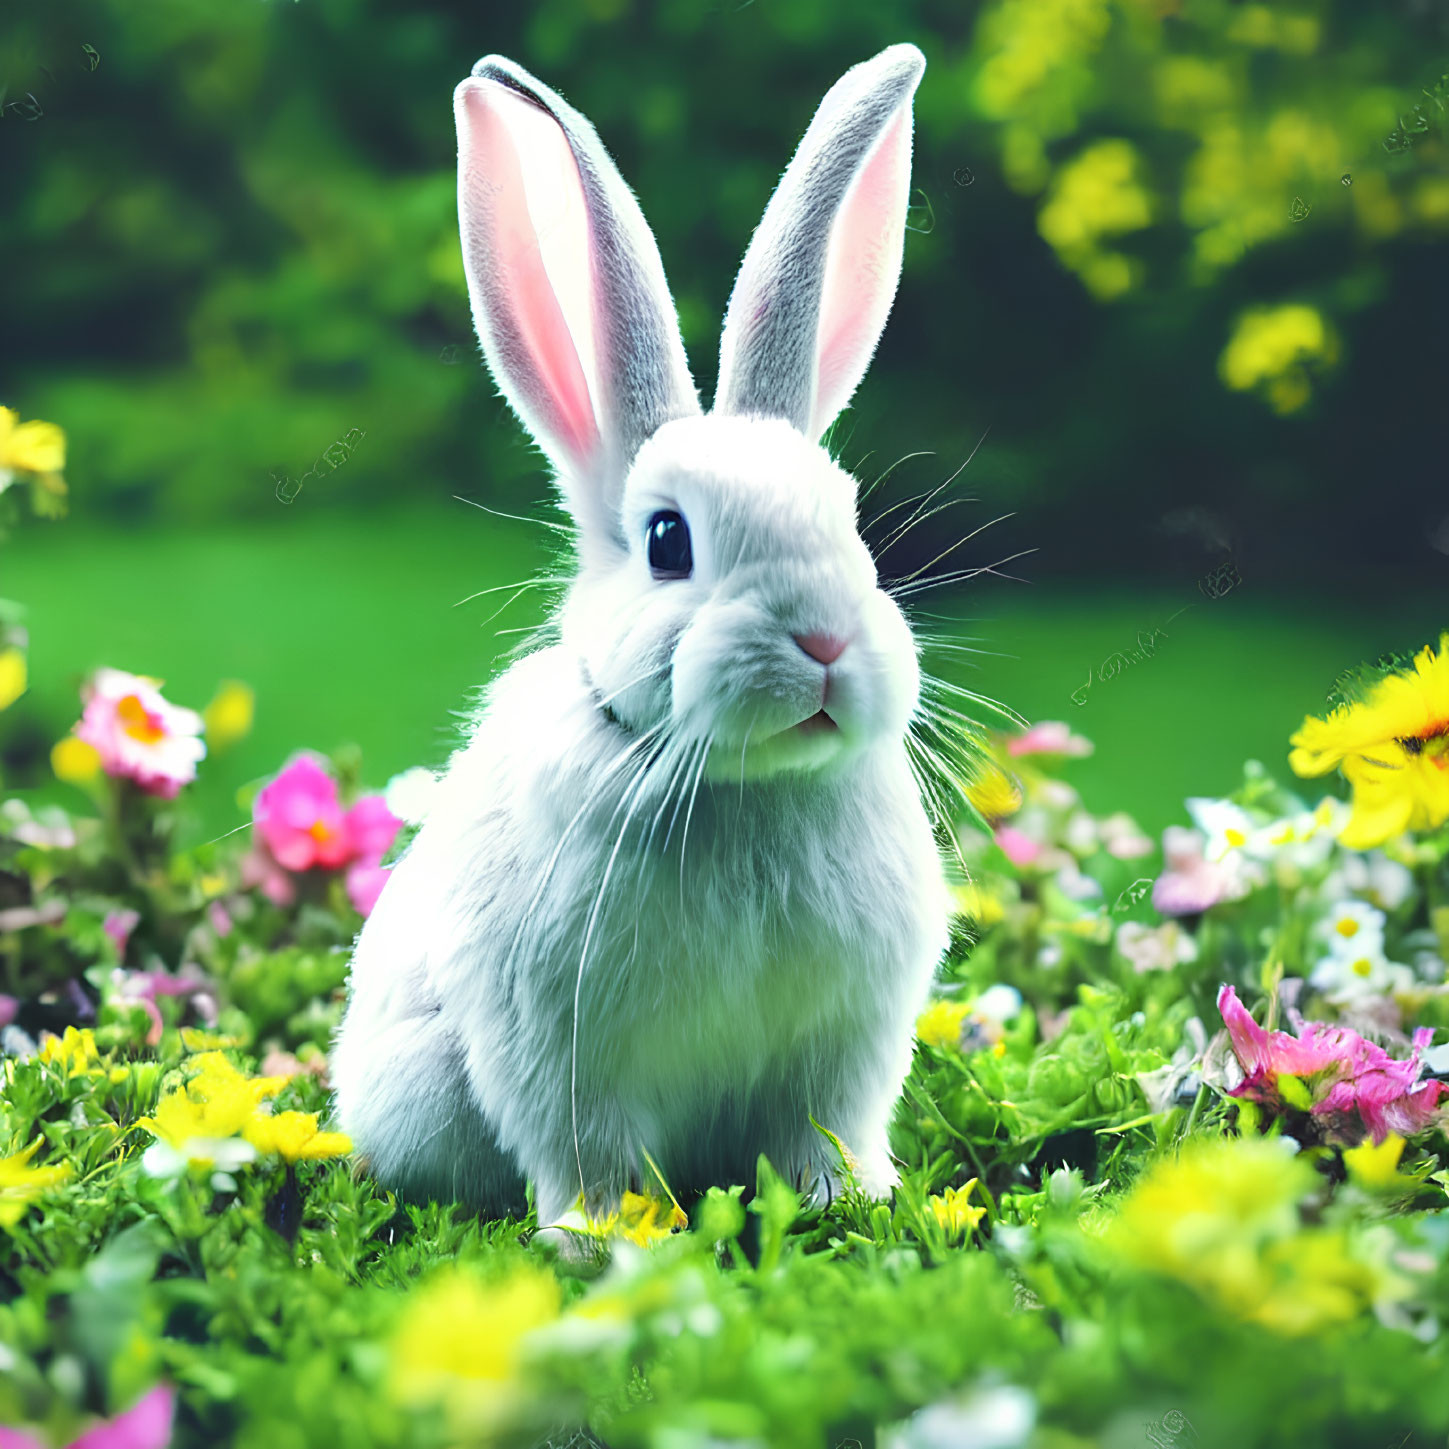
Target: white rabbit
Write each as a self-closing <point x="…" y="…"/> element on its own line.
<point x="679" y="892"/>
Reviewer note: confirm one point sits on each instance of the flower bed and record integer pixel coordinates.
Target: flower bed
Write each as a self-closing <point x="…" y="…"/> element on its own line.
<point x="1172" y="1154"/>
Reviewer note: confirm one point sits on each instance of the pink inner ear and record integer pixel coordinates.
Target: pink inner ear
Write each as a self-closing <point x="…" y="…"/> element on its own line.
<point x="862" y="267"/>
<point x="533" y="261"/>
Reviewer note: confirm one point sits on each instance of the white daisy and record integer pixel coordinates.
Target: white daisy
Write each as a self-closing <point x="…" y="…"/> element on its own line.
<point x="1228" y="827"/>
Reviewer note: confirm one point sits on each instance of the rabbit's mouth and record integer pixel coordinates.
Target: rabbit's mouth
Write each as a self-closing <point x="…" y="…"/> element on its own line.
<point x="818" y="723"/>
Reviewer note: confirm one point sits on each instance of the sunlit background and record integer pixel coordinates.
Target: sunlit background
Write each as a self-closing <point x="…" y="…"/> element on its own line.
<point x="1177" y="274"/>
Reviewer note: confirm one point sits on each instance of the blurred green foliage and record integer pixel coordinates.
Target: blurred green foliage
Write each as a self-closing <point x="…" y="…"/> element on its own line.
<point x="230" y="237"/>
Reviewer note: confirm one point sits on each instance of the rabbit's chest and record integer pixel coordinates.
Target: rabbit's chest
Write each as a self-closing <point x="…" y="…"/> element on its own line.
<point x="747" y="953"/>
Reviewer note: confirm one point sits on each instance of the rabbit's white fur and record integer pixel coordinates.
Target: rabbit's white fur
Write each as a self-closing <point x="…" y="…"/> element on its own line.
<point x="650" y="911"/>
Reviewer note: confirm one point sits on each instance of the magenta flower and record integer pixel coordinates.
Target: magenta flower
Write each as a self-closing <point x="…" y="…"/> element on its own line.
<point x="1049" y="737"/>
<point x="138" y="735"/>
<point x="301" y="825"/>
<point x="365" y="881"/>
<point x="1354" y="1086"/>
<point x="1020" y="849"/>
<point x="300" y="819"/>
<point x="145" y="1426"/>
<point x="118" y="925"/>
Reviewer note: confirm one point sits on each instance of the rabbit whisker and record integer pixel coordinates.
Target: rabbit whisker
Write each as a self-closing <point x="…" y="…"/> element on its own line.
<point x="599" y="786"/>
<point x="937" y="689"/>
<point x="899" y="533"/>
<point x="635" y="790"/>
<point x="904" y="458"/>
<point x="565" y="528"/>
<point x="697" y="747"/>
<point x="689" y="814"/>
<point x="957" y="576"/>
<point x="932" y="776"/>
<point x="937" y="491"/>
<point x="536" y="582"/>
<point x="945" y="552"/>
<point x="676" y="770"/>
<point x="608" y="699"/>
<point x="895" y="508"/>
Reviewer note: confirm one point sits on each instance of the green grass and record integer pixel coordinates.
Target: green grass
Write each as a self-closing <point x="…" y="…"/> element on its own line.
<point x="345" y="625"/>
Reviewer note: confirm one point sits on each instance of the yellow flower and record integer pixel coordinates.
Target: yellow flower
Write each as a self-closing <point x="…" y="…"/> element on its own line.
<point x="1378" y="1167"/>
<point x="20" y="1183"/>
<point x="75" y="1051"/>
<point x="1262" y="26"/>
<point x="1222" y="1217"/>
<point x="39" y="450"/>
<point x="75" y="762"/>
<point x="1393" y="748"/>
<point x="1039" y="49"/>
<point x="939" y="1025"/>
<point x="228" y="718"/>
<point x="641" y="1219"/>
<point x="29" y="447"/>
<point x="985" y="907"/>
<point x="993" y="792"/>
<point x="952" y="1210"/>
<point x="458" y="1342"/>
<point x="294" y="1135"/>
<point x="1272" y="347"/>
<point x="203" y="1122"/>
<point x="194" y="1039"/>
<point x="12" y="676"/>
<point x="1097" y="195"/>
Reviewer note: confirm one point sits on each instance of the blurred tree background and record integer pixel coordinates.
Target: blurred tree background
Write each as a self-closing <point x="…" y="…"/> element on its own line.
<point x="1180" y="263"/>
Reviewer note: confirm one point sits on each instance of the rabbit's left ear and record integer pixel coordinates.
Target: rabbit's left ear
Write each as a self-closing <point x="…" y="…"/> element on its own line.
<point x="820" y="274"/>
<point x="567" y="287"/>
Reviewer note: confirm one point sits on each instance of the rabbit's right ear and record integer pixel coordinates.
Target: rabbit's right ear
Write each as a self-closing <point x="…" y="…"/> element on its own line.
<point x="817" y="282"/>
<point x="568" y="291"/>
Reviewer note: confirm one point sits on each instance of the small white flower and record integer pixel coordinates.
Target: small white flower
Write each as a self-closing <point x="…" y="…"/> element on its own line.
<point x="1352" y="929"/>
<point x="1080" y="836"/>
<point x="1374" y="877"/>
<point x="1228" y="827"/>
<point x="1076" y="885"/>
<point x="1351" y="976"/>
<point x="1000" y="1417"/>
<point x="225" y="1154"/>
<point x="1155" y="948"/>
<point x="411" y="795"/>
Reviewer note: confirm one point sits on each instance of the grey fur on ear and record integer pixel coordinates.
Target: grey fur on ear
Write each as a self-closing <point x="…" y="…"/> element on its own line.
<point x="818" y="279"/>
<point x="567" y="286"/>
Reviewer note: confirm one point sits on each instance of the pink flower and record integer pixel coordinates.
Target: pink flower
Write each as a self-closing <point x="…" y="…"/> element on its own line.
<point x="372" y="827"/>
<point x="300" y="819"/>
<point x="1020" y="848"/>
<point x="220" y="918"/>
<point x="1049" y="737"/>
<point x="1191" y="883"/>
<point x="145" y="1426"/>
<point x="1355" y="1086"/>
<point x="301" y="825"/>
<point x="8" y="1007"/>
<point x="365" y="881"/>
<point x="118" y="925"/>
<point x="138" y="735"/>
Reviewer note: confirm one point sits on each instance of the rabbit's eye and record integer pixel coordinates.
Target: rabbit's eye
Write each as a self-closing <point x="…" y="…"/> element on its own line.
<point x="670" y="556"/>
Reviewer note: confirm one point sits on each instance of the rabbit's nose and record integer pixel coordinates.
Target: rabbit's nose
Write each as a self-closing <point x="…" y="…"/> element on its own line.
<point x="826" y="648"/>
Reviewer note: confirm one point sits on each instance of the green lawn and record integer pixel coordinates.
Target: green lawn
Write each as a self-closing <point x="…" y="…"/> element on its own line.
<point x="345" y="625"/>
